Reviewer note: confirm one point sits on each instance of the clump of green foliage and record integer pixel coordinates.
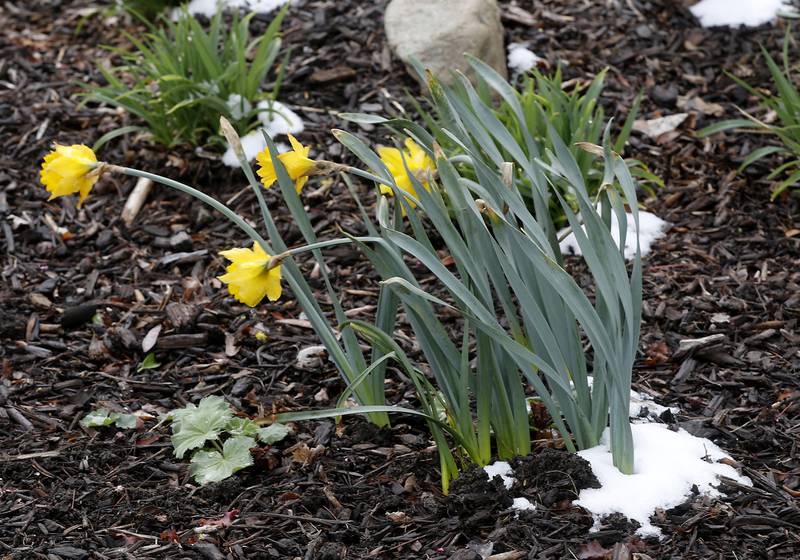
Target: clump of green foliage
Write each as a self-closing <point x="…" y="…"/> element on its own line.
<point x="219" y="442"/>
<point x="525" y="321"/>
<point x="785" y="103"/>
<point x="547" y="102"/>
<point x="181" y="77"/>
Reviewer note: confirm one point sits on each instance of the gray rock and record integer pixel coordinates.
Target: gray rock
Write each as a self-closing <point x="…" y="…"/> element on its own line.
<point x="439" y="32"/>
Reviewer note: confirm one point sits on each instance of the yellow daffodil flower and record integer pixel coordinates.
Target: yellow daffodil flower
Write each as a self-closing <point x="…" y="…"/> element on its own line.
<point x="248" y="277"/>
<point x="296" y="162"/>
<point x="69" y="170"/>
<point x="417" y="161"/>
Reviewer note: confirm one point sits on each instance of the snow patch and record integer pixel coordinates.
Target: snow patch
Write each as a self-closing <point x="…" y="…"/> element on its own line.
<point x="252" y="144"/>
<point x="503" y="470"/>
<point x="666" y="466"/>
<point x="644" y="409"/>
<point x="209" y="7"/>
<point x="734" y="13"/>
<point x="521" y="59"/>
<point x="522" y="504"/>
<point x="277" y="119"/>
<point x="238" y="106"/>
<point x="651" y="228"/>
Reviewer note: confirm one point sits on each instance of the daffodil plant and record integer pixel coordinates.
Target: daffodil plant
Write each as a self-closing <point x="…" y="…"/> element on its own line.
<point x="525" y="322"/>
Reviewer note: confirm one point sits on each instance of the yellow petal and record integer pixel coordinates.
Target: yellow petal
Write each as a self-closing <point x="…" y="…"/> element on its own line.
<point x="296" y="146"/>
<point x="273" y="284"/>
<point x="266" y="169"/>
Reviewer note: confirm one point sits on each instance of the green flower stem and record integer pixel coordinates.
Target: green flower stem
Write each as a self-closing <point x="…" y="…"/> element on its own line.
<point x="277" y="259"/>
<point x="191" y="191"/>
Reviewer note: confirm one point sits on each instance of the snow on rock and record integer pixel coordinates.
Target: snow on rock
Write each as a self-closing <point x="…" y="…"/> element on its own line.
<point x="666" y="466"/>
<point x="503" y="470"/>
<point x="734" y="13"/>
<point x="209" y="7"/>
<point x="277" y="119"/>
<point x="651" y="228"/>
<point x="521" y="59"/>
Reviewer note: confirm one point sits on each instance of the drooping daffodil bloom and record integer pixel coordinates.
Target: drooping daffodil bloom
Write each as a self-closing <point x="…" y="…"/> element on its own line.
<point x="417" y="161"/>
<point x="70" y="170"/>
<point x="297" y="164"/>
<point x="250" y="275"/>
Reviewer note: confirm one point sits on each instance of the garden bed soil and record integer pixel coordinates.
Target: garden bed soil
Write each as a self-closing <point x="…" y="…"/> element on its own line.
<point x="76" y="304"/>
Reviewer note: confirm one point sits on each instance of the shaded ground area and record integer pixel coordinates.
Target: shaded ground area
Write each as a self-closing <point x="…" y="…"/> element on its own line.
<point x="729" y="267"/>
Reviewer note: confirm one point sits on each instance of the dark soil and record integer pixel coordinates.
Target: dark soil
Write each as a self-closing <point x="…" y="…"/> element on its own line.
<point x="76" y="304"/>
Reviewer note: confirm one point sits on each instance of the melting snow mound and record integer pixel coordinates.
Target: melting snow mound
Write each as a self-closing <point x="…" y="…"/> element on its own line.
<point x="277" y="119"/>
<point x="209" y="7"/>
<point x="651" y="228"/>
<point x="733" y="13"/>
<point x="666" y="466"/>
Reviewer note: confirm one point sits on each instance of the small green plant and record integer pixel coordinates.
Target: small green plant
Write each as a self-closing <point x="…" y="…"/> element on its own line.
<point x="219" y="442"/>
<point x="149" y="362"/>
<point x="102" y="417"/>
<point x="181" y="77"/>
<point x="785" y="104"/>
<point x="150" y="9"/>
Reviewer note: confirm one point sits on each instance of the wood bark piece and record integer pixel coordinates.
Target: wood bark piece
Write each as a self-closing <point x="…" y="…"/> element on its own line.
<point x="136" y="200"/>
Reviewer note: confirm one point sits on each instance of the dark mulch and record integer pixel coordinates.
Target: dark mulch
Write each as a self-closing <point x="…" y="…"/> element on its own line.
<point x="76" y="304"/>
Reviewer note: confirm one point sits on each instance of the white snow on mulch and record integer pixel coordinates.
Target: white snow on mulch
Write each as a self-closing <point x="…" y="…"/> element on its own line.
<point x="734" y="13"/>
<point x="642" y="406"/>
<point x="238" y="106"/>
<point x="503" y="470"/>
<point x="209" y="7"/>
<point x="280" y="121"/>
<point x="651" y="228"/>
<point x="644" y="409"/>
<point x="667" y="465"/>
<point x="523" y="504"/>
<point x="521" y="59"/>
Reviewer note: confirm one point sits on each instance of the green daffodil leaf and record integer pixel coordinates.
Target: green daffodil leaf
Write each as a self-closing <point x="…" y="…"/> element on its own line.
<point x="213" y="466"/>
<point x="273" y="433"/>
<point x="193" y="426"/>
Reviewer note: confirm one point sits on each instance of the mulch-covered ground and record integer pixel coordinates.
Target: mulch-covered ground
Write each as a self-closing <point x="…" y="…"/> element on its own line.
<point x="75" y="304"/>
